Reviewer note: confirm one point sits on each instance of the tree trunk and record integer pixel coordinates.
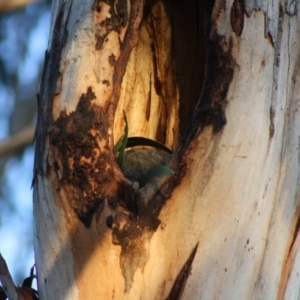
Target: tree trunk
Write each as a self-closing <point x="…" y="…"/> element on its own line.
<point x="225" y="225"/>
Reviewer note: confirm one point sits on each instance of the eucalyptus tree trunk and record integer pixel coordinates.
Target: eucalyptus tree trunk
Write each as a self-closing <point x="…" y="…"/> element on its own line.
<point x="226" y="224"/>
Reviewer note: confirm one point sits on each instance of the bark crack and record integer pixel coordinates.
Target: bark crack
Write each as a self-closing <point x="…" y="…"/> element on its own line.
<point x="287" y="266"/>
<point x="180" y="282"/>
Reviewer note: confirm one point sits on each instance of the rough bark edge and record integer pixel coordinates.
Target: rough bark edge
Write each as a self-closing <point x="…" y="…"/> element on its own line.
<point x="271" y="10"/>
<point x="49" y="78"/>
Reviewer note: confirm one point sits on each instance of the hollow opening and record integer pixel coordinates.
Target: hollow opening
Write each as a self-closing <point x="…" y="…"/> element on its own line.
<point x="165" y="72"/>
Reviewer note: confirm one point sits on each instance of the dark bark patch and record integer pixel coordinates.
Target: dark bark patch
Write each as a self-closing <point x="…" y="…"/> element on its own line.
<point x="127" y="197"/>
<point x="122" y="12"/>
<point x="132" y="234"/>
<point x="85" y="169"/>
<point x="182" y="277"/>
<point x="271" y="39"/>
<point x="237" y="17"/>
<point x="112" y="60"/>
<point x="99" y="41"/>
<point x="272" y="127"/>
<point x="210" y="110"/>
<point x="134" y="255"/>
<point x="106" y="82"/>
<point x="109" y="222"/>
<point x="118" y="19"/>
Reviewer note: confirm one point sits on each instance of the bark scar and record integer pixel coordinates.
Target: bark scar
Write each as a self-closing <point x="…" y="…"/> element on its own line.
<point x="272" y="127"/>
<point x="179" y="284"/>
